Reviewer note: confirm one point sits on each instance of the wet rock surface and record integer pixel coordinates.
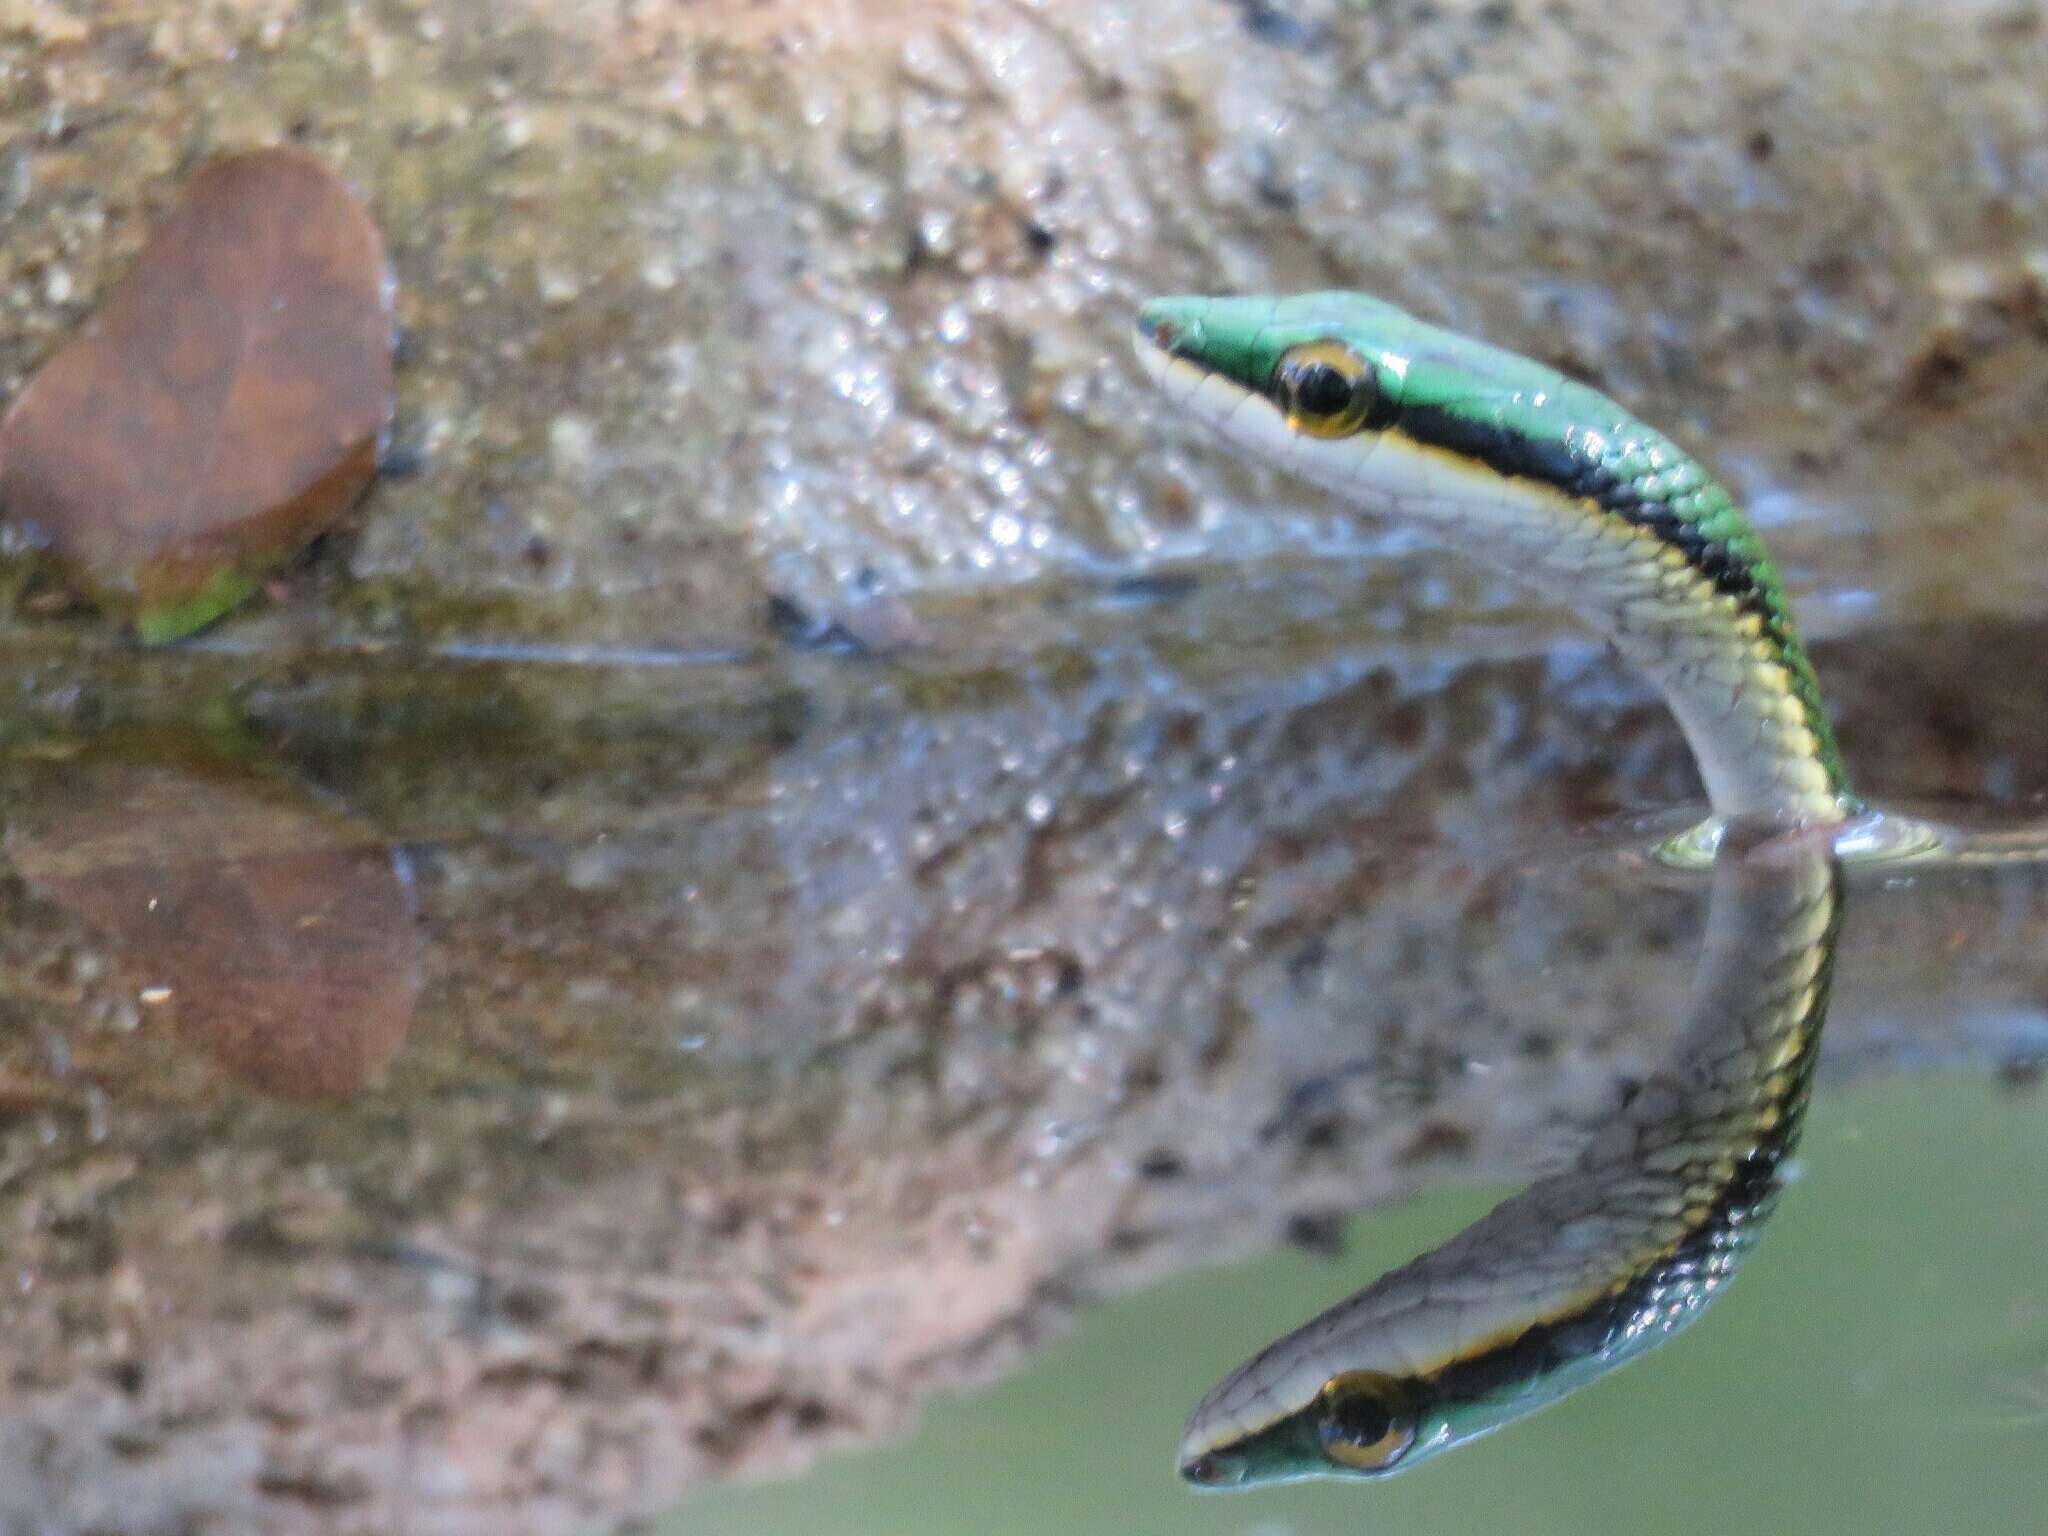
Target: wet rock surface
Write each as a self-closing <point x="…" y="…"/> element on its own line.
<point x="706" y="304"/>
<point x="905" y="835"/>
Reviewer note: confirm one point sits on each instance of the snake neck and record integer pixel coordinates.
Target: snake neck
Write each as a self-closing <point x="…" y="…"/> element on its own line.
<point x="1547" y="478"/>
<point x="1621" y="526"/>
<point x="1593" y="1265"/>
<point x="1662" y="560"/>
<point x="1710" y="1128"/>
<point x="1657" y="1214"/>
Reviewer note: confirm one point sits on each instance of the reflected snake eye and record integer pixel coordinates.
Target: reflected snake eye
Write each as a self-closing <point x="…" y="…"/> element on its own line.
<point x="1325" y="388"/>
<point x="1365" y="1421"/>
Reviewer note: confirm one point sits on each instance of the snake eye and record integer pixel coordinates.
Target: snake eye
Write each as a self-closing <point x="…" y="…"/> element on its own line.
<point x="1364" y="1420"/>
<point x="1325" y="388"/>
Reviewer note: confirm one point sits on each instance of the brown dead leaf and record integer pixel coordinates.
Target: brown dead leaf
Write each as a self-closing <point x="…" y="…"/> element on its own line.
<point x="222" y="406"/>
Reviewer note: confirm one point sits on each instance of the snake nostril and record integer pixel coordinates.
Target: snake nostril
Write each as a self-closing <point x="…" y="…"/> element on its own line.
<point x="1157" y="329"/>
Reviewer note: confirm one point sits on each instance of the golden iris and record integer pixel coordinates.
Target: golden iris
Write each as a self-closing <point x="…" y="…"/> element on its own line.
<point x="1365" y="1420"/>
<point x="1324" y="388"/>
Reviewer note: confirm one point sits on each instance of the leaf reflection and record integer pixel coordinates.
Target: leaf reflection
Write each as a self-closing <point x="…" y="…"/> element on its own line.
<point x="265" y="925"/>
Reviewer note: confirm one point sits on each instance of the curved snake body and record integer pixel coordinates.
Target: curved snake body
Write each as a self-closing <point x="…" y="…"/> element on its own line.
<point x="1557" y="483"/>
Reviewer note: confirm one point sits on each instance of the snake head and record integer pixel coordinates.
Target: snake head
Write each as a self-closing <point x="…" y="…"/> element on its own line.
<point x="1322" y="366"/>
<point x="1357" y="1424"/>
<point x="1475" y="1334"/>
<point x="1365" y="399"/>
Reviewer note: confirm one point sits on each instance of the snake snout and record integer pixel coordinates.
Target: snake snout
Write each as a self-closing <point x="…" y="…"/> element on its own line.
<point x="1157" y="328"/>
<point x="1214" y="1469"/>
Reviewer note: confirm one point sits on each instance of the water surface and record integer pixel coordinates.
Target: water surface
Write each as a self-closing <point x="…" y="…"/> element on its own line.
<point x="1880" y="1365"/>
<point x="558" y="1093"/>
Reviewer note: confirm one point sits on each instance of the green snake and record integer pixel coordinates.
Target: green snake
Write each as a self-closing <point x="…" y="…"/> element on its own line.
<point x="1559" y="485"/>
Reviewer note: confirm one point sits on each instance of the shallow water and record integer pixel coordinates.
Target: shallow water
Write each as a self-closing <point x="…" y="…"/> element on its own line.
<point x="1881" y="1365"/>
<point x="565" y="1101"/>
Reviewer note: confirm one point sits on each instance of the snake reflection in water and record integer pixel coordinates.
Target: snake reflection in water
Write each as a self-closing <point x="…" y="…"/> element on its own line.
<point x="1553" y="481"/>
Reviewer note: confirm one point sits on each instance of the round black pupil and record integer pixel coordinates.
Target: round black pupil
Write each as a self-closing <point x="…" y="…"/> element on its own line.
<point x="1321" y="390"/>
<point x="1363" y="1419"/>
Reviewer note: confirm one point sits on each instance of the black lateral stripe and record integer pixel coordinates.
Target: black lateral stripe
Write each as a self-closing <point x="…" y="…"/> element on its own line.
<point x="1514" y="454"/>
<point x="1564" y="470"/>
<point x="1546" y="1346"/>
